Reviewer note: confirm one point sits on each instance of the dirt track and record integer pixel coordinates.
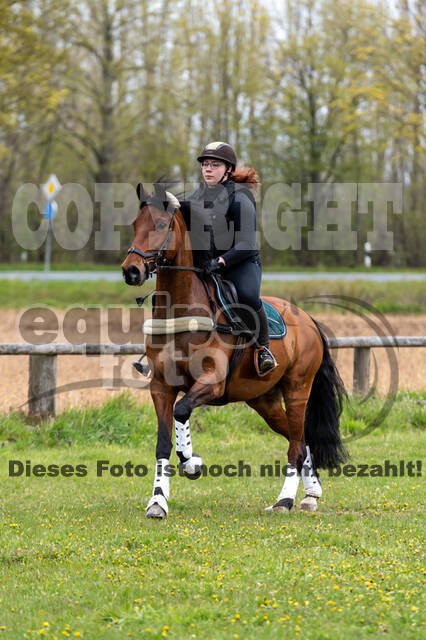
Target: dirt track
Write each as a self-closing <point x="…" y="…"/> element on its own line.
<point x="74" y="369"/>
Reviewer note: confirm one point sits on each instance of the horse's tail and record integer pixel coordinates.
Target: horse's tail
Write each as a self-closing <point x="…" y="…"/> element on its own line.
<point x="323" y="411"/>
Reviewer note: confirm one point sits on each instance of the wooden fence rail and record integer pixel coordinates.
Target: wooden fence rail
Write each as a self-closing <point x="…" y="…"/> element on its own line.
<point x="42" y="367"/>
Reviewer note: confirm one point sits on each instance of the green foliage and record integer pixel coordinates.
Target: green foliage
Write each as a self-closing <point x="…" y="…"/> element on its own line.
<point x="119" y="91"/>
<point x="122" y="422"/>
<point x="386" y="297"/>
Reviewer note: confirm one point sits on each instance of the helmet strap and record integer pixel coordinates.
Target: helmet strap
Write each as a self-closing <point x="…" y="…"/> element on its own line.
<point x="227" y="172"/>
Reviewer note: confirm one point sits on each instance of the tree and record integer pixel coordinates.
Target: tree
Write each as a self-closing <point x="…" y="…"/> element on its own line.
<point x="29" y="95"/>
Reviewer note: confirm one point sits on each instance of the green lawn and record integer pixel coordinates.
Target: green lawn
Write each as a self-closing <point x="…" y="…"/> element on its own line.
<point x="79" y="558"/>
<point x="65" y="266"/>
<point x="391" y="297"/>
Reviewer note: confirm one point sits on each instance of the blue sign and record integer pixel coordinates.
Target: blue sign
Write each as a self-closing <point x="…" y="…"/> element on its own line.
<point x="50" y="209"/>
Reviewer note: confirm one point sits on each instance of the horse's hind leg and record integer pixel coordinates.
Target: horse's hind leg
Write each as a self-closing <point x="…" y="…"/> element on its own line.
<point x="296" y="392"/>
<point x="311" y="484"/>
<point x="269" y="407"/>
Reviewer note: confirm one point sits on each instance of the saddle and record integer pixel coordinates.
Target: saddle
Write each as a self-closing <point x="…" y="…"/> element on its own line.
<point x="228" y="303"/>
<point x="227" y="298"/>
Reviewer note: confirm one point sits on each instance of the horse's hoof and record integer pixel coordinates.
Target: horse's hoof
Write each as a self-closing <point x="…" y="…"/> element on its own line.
<point x="192" y="476"/>
<point x="280" y="509"/>
<point x="309" y="503"/>
<point x="192" y="467"/>
<point x="283" y="506"/>
<point x="155" y="511"/>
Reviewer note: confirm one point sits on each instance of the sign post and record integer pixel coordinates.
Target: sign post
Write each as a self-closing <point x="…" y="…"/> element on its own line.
<point x="367" y="255"/>
<point x="50" y="189"/>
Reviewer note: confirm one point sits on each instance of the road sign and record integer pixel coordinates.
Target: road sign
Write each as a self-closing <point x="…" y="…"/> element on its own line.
<point x="51" y="188"/>
<point x="50" y="209"/>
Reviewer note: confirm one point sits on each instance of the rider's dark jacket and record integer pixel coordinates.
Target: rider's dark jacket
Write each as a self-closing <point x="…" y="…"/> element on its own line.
<point x="229" y="209"/>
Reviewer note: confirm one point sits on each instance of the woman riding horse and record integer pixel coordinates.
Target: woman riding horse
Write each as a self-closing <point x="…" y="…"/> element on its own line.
<point x="189" y="353"/>
<point x="235" y="254"/>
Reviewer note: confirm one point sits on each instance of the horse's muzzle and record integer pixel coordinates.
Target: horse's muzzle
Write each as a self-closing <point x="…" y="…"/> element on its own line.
<point x="133" y="276"/>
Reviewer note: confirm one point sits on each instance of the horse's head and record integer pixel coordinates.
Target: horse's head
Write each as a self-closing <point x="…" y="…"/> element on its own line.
<point x="154" y="239"/>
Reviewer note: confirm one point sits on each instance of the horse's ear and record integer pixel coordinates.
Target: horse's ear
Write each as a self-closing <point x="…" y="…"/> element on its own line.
<point x="160" y="191"/>
<point x="139" y="191"/>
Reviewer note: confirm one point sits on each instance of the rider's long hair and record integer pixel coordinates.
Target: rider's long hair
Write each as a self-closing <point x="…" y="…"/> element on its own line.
<point x="247" y="175"/>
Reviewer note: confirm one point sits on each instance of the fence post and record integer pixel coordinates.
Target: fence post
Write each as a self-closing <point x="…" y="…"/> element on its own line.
<point x="361" y="370"/>
<point x="42" y="386"/>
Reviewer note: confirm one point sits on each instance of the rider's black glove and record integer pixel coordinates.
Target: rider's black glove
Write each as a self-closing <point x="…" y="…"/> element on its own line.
<point x="213" y="266"/>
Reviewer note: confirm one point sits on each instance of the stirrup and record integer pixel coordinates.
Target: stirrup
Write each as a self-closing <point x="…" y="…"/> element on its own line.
<point x="256" y="362"/>
<point x="140" y="367"/>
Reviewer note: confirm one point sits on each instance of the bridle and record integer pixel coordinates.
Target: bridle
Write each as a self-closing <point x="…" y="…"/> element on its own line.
<point x="158" y="256"/>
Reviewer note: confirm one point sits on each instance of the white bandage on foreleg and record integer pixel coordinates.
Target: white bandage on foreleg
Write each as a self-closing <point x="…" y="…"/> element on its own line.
<point x="183" y="439"/>
<point x="311" y="483"/>
<point x="291" y="484"/>
<point x="162" y="477"/>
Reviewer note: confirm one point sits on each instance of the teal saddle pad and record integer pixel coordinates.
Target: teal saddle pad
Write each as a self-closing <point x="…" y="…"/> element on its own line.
<point x="276" y="325"/>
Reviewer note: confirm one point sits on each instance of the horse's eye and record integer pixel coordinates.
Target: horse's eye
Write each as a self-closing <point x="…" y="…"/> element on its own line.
<point x="160" y="225"/>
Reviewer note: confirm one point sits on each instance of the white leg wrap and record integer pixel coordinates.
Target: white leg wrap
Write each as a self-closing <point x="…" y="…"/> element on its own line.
<point x="311" y="483"/>
<point x="291" y="484"/>
<point x="183" y="439"/>
<point x="193" y="465"/>
<point x="162" y="479"/>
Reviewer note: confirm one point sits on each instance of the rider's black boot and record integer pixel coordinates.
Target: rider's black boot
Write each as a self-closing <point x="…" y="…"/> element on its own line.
<point x="264" y="360"/>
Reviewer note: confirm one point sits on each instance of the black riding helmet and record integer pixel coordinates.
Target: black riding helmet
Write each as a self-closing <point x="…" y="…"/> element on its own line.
<point x="219" y="151"/>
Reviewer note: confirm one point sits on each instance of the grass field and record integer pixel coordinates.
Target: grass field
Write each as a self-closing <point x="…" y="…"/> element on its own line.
<point x="79" y="559"/>
<point x="388" y="297"/>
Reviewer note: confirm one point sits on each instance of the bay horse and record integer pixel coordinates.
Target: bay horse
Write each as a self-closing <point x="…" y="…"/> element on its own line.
<point x="188" y="354"/>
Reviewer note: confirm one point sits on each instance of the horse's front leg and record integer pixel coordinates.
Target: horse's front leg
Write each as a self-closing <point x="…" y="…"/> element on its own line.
<point x="189" y="461"/>
<point x="208" y="367"/>
<point x="202" y="392"/>
<point x="163" y="399"/>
